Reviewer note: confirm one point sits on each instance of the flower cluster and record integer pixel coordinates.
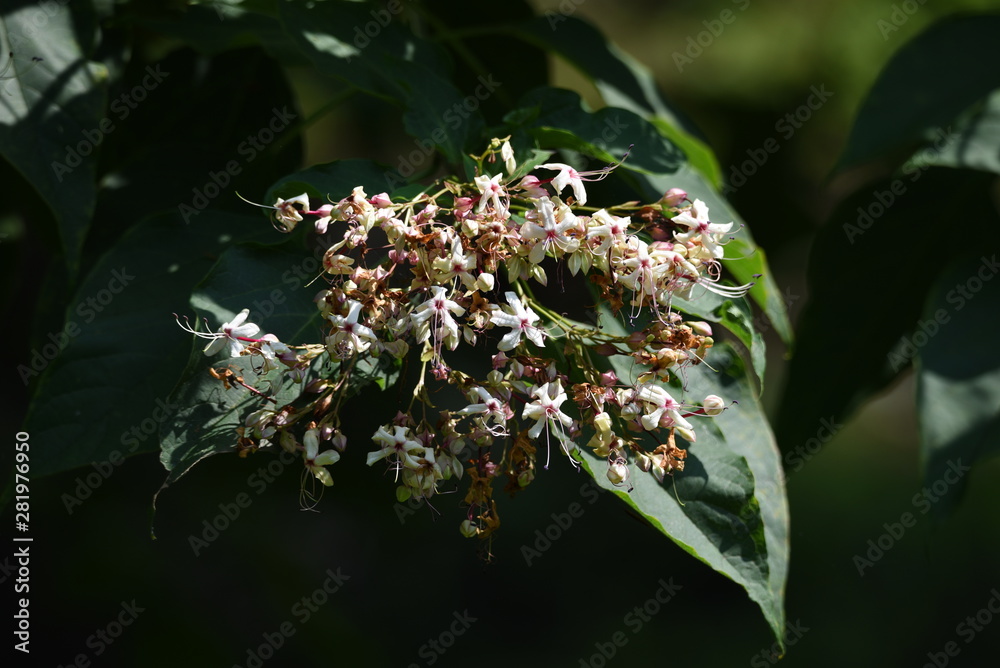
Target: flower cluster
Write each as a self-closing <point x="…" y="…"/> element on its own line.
<point x="408" y="282"/>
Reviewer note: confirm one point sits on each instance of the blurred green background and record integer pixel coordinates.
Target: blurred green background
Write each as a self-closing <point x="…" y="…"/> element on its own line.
<point x="408" y="579"/>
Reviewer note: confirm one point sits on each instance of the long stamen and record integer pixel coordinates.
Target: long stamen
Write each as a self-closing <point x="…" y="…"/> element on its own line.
<point x="186" y="326"/>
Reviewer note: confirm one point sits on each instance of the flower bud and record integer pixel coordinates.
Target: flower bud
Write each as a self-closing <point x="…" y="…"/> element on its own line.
<point x="713" y="404"/>
<point x="485" y="282"/>
<point x="617" y="472"/>
<point x="643" y="461"/>
<point x="381" y="201"/>
<point x="701" y="328"/>
<point x="468" y="529"/>
<point x="673" y="197"/>
<point x="609" y="378"/>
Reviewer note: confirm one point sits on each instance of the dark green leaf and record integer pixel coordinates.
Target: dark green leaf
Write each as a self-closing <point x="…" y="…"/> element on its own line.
<point x="393" y="64"/>
<point x="972" y="143"/>
<point x="733" y="513"/>
<point x="926" y="86"/>
<point x="859" y="308"/>
<point x="958" y="374"/>
<point x="107" y="390"/>
<point x="52" y="119"/>
<point x="265" y="280"/>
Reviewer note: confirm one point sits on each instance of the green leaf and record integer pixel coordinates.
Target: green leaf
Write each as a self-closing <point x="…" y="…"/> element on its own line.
<point x="107" y="390"/>
<point x="263" y="279"/>
<point x="859" y="308"/>
<point x="219" y="25"/>
<point x="926" y="86"/>
<point x="958" y="375"/>
<point x="972" y="143"/>
<point x="733" y="513"/>
<point x="622" y="82"/>
<point x="558" y="119"/>
<point x="393" y="64"/>
<point x="52" y="119"/>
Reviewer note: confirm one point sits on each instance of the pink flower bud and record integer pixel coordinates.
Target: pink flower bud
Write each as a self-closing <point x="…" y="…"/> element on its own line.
<point x="381" y="201"/>
<point x="674" y="197"/>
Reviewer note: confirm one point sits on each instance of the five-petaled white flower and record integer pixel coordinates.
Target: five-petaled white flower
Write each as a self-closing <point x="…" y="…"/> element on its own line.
<point x="520" y="318"/>
<point x="398" y="445"/>
<point x="548" y="398"/>
<point x="699" y="224"/>
<point x="434" y="316"/>
<point x="491" y="191"/>
<point x="550" y="233"/>
<point x="348" y="330"/>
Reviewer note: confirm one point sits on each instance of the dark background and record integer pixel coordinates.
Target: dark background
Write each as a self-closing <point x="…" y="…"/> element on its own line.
<point x="408" y="579"/>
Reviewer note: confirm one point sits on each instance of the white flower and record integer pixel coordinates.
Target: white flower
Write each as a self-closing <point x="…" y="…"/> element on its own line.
<point x="607" y="229"/>
<point x="520" y="319"/>
<point x="493" y="408"/>
<point x="397" y="444"/>
<point x="699" y="224"/>
<point x="491" y="191"/>
<point x="287" y="213"/>
<point x="348" y="331"/>
<point x="315" y="460"/>
<point x="548" y="398"/>
<point x="658" y="402"/>
<point x="457" y="264"/>
<point x="550" y="232"/>
<point x="567" y="176"/>
<point x="435" y="316"/>
<point x="232" y="334"/>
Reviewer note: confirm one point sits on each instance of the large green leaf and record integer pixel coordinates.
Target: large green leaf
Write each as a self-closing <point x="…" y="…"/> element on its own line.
<point x="860" y="307"/>
<point x="267" y="281"/>
<point x="107" y="391"/>
<point x="732" y="513"/>
<point x="52" y="121"/>
<point x="926" y="85"/>
<point x="958" y="375"/>
<point x="972" y="142"/>
<point x="622" y="82"/>
<point x="393" y="64"/>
